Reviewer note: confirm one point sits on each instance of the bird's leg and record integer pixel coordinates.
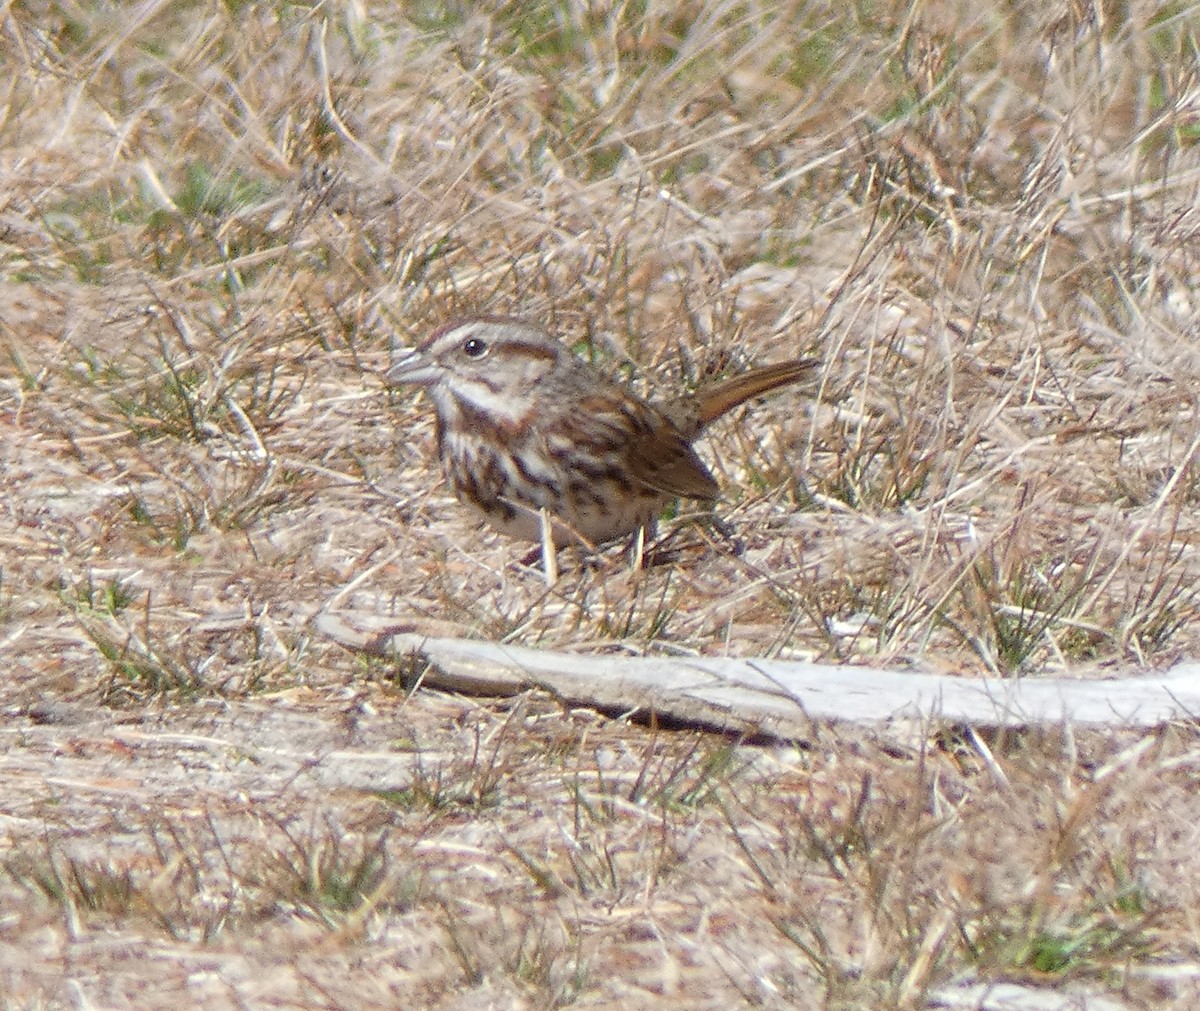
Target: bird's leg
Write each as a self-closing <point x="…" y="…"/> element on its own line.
<point x="549" y="551"/>
<point x="637" y="550"/>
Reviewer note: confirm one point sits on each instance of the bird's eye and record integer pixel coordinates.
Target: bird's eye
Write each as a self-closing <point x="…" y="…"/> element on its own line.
<point x="475" y="348"/>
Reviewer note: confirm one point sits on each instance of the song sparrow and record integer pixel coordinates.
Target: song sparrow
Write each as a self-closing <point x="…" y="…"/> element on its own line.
<point x="523" y="426"/>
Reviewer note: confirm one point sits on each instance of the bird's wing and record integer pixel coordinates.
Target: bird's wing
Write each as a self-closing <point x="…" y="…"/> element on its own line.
<point x="663" y="460"/>
<point x="641" y="440"/>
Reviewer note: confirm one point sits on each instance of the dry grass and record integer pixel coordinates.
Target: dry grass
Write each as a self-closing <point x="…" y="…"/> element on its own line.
<point x="215" y="221"/>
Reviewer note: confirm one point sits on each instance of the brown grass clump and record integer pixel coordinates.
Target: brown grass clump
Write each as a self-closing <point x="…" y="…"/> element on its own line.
<point x="219" y="219"/>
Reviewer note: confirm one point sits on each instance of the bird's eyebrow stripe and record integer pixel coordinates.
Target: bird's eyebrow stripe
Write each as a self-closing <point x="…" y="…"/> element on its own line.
<point x="531" y="350"/>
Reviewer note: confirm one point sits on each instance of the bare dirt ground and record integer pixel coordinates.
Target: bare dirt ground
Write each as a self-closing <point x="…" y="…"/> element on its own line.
<point x="218" y="220"/>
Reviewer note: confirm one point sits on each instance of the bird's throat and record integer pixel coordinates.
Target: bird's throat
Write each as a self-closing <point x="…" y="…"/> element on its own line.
<point x="477" y="406"/>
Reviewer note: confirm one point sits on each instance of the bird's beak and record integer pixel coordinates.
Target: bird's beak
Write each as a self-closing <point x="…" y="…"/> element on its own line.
<point x="412" y="368"/>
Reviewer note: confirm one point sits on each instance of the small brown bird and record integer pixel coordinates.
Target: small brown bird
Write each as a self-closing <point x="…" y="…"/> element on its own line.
<point x="531" y="435"/>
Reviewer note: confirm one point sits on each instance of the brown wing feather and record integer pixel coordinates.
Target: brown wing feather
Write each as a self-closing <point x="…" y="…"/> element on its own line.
<point x="662" y="459"/>
<point x="642" y="442"/>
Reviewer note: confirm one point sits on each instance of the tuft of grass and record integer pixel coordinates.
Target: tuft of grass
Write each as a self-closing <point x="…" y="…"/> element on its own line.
<point x="1092" y="943"/>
